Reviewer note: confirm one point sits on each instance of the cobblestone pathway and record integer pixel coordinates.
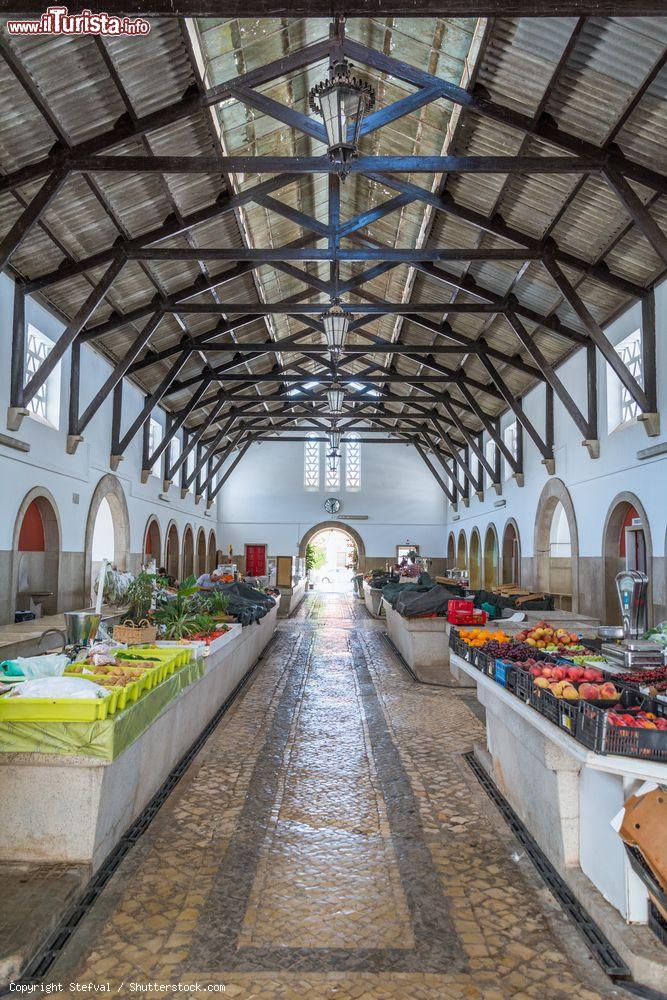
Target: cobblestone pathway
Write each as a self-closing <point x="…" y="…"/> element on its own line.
<point x="329" y="841"/>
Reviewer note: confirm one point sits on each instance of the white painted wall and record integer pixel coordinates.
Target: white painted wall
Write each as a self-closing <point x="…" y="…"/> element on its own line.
<point x="264" y="501"/>
<point x="47" y="464"/>
<point x="593" y="483"/>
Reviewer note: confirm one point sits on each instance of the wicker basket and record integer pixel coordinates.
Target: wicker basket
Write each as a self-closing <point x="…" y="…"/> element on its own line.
<point x="131" y="633"/>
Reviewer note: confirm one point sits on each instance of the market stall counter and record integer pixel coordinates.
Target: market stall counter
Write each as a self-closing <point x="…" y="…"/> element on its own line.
<point x="373" y="600"/>
<point x="568" y="788"/>
<point x="75" y="794"/>
<point x="422" y="643"/>
<point x="291" y="597"/>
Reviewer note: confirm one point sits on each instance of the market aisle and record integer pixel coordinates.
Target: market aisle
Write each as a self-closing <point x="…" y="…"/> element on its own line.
<point x="331" y="841"/>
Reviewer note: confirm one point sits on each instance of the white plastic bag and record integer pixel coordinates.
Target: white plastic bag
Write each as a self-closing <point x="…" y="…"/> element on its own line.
<point x="59" y="687"/>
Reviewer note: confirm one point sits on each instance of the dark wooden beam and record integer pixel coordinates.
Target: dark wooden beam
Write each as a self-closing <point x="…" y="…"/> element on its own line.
<point x="30" y="215"/>
<point x="554" y="380"/>
<point x="279" y="254"/>
<point x="518" y="411"/>
<point x="356" y="8"/>
<point x="638" y="212"/>
<point x="434" y="472"/>
<point x="221" y="482"/>
<point x="72" y="330"/>
<point x="323" y="165"/>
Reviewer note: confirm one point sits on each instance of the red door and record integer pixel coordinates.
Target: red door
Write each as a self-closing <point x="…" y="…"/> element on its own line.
<point x="255" y="560"/>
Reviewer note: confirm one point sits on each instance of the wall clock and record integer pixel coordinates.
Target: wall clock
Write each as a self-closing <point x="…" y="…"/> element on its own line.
<point x="332" y="505"/>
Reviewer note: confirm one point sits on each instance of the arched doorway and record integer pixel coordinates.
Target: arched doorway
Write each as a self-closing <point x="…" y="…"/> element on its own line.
<point x="35" y="555"/>
<point x="337" y="525"/>
<point x="511" y="555"/>
<point x="626" y="544"/>
<point x="461" y="552"/>
<point x="451" y="552"/>
<point x="490" y="571"/>
<point x="152" y="543"/>
<point x="557" y="546"/>
<point x="188" y="553"/>
<point x="201" y="552"/>
<point x="332" y="558"/>
<point x="172" y="552"/>
<point x="475" y="561"/>
<point x="212" y="556"/>
<point x="107" y="531"/>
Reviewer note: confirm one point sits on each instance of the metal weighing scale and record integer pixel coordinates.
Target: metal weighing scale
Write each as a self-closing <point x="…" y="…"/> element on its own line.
<point x="632" y="652"/>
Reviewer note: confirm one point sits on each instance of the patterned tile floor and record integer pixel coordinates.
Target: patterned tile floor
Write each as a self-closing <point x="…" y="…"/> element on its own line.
<point x="329" y="841"/>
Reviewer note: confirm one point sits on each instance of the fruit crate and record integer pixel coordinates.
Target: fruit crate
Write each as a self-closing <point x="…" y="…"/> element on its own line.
<point x="546" y="703"/>
<point x="594" y="731"/>
<point x="505" y="674"/>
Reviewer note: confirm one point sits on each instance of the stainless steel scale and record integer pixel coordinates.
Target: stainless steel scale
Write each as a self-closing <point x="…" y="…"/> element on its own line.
<point x="629" y="651"/>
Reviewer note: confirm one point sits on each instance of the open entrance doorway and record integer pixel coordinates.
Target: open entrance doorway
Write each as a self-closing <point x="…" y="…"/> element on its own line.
<point x="626" y="545"/>
<point x="332" y="554"/>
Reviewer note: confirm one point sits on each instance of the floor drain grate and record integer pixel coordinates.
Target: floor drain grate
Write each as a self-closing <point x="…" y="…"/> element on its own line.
<point x="607" y="956"/>
<point x="54" y="945"/>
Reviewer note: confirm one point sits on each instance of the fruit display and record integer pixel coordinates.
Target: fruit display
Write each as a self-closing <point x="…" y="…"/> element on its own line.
<point x="209" y="637"/>
<point x="636" y="719"/>
<point x="654" y="681"/>
<point x="478" y="637"/>
<point x="551" y="640"/>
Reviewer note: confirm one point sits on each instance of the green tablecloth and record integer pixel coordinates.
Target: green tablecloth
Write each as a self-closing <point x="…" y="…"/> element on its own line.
<point x="106" y="739"/>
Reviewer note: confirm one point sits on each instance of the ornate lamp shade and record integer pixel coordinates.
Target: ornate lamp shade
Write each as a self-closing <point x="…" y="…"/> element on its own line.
<point x="334" y="439"/>
<point x="335" y="397"/>
<point x="342" y="100"/>
<point x="333" y="458"/>
<point x="336" y="323"/>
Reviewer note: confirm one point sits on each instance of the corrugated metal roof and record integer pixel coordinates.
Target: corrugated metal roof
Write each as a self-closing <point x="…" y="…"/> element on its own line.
<point x="601" y="79"/>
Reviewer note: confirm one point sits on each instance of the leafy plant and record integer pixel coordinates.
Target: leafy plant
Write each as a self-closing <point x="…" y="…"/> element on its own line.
<point x="316" y="556"/>
<point x="139" y="597"/>
<point x="190" y="611"/>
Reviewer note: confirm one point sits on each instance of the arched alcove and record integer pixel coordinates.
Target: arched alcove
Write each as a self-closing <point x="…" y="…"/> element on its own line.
<point x="172" y="552"/>
<point x="200" y="566"/>
<point x="451" y="551"/>
<point x="337" y="526"/>
<point x="490" y="572"/>
<point x="36" y="549"/>
<point x="557" y="545"/>
<point x="461" y="551"/>
<point x="188" y="563"/>
<point x="107" y="528"/>
<point x="511" y="554"/>
<point x="626" y="544"/>
<point x="152" y="549"/>
<point x="475" y="561"/>
<point x="212" y="551"/>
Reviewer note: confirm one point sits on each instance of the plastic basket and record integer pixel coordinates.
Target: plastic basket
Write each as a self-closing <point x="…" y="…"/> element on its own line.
<point x="54" y="709"/>
<point x="546" y="703"/>
<point x="504" y="673"/>
<point x="594" y="731"/>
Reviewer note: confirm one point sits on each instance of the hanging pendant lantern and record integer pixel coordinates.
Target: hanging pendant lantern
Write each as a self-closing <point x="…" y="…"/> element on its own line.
<point x="333" y="458"/>
<point x="342" y="100"/>
<point x="335" y="397"/>
<point x="334" y="438"/>
<point x="336" y="323"/>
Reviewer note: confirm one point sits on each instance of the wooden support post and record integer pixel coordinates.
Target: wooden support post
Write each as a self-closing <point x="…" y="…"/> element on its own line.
<point x="592" y="443"/>
<point x="652" y="418"/>
<point x="73" y="438"/>
<point x="116" y="424"/>
<point x="519" y="476"/>
<point x="178" y="421"/>
<point x="17" y="411"/>
<point x="516" y="409"/>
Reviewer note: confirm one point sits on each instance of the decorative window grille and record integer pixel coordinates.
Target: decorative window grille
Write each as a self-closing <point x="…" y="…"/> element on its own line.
<point x="174" y="451"/>
<point x="510" y="437"/>
<point x="353" y="463"/>
<point x="154" y="438"/>
<point x="490" y="456"/>
<point x="332" y="476"/>
<point x="630" y="353"/>
<point x="311" y="463"/>
<point x="45" y="404"/>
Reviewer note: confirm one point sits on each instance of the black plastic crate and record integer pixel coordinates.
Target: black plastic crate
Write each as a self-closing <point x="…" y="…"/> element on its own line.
<point x="657" y="922"/>
<point x="524" y="683"/>
<point x="546" y="703"/>
<point x="640" y="867"/>
<point x="594" y="731"/>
